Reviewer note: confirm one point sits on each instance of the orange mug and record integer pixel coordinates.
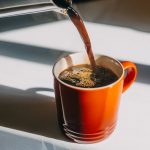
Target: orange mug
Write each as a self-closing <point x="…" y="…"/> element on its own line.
<point x="88" y="115"/>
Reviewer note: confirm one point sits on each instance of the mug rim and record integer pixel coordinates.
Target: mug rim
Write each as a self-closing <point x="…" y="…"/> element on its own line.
<point x="89" y="89"/>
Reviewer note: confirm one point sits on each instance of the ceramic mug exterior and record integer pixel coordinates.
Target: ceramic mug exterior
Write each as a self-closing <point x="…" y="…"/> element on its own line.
<point x="88" y="115"/>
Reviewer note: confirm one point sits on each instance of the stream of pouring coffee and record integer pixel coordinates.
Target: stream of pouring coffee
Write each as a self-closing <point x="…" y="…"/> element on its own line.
<point x="78" y="22"/>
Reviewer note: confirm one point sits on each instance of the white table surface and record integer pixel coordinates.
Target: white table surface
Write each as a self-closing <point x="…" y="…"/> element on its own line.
<point x="27" y="104"/>
<point x="119" y="42"/>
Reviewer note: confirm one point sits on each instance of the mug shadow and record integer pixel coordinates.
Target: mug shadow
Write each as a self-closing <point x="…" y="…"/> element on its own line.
<point x="30" y="112"/>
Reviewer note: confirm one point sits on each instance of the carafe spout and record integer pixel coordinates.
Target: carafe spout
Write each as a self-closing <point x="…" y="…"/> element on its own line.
<point x="24" y="7"/>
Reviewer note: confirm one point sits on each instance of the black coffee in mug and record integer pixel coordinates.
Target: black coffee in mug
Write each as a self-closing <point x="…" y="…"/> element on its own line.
<point x="84" y="76"/>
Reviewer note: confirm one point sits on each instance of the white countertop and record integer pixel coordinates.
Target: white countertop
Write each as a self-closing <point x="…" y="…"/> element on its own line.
<point x="119" y="42"/>
<point x="27" y="104"/>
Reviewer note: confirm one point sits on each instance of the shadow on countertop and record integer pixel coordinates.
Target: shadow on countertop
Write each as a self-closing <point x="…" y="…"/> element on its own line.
<point x="134" y="14"/>
<point x="29" y="111"/>
<point x="49" y="56"/>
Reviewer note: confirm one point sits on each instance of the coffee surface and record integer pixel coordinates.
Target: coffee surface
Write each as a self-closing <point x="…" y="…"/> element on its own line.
<point x="84" y="76"/>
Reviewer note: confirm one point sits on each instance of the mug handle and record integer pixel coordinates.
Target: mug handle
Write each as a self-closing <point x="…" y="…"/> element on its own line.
<point x="130" y="74"/>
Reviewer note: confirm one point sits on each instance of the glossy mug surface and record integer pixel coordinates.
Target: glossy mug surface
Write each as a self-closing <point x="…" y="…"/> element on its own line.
<point x="88" y="115"/>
